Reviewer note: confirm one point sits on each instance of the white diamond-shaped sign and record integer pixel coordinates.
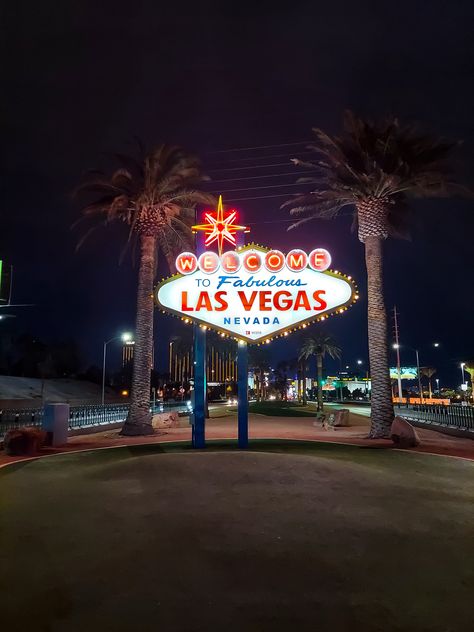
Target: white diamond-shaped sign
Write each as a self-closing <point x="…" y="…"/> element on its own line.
<point x="255" y="306"/>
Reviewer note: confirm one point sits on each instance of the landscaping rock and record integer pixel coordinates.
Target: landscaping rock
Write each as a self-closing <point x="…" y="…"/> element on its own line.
<point x="341" y="417"/>
<point x="165" y="420"/>
<point x="403" y="434"/>
<point x="24" y="441"/>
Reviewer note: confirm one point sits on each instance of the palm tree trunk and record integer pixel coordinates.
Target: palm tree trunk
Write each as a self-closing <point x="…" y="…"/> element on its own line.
<point x="382" y="405"/>
<point x="319" y="365"/>
<point x="138" y="421"/>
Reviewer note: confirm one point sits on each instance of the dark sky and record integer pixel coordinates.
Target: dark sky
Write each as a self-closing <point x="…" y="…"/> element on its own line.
<point x="81" y="79"/>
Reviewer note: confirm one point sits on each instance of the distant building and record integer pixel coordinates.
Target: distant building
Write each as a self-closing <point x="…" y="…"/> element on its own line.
<point x="128" y="349"/>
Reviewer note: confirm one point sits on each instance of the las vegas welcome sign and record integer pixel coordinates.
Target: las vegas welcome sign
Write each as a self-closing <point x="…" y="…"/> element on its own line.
<point x="254" y="293"/>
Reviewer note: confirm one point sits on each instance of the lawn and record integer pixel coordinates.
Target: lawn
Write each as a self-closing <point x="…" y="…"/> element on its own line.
<point x="283" y="409"/>
<point x="285" y="536"/>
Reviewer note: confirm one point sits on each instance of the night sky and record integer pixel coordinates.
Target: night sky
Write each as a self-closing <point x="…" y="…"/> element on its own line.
<point x="82" y="79"/>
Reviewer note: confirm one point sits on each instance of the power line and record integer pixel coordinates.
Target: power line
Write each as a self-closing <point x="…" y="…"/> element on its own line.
<point x="275" y="221"/>
<point x="225" y="151"/>
<point x="276" y="164"/>
<point x="269" y="186"/>
<point x="273" y="175"/>
<point x="260" y="197"/>
<point x="300" y="153"/>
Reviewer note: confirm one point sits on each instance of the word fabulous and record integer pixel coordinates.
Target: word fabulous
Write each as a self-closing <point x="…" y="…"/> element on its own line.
<point x="253" y="261"/>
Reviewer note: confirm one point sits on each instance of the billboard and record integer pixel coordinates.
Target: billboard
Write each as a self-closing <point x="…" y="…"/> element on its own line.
<point x="255" y="293"/>
<point x="406" y="373"/>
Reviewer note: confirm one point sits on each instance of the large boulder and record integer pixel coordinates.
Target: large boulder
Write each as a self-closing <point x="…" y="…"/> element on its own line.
<point x="341" y="417"/>
<point x="165" y="420"/>
<point x="24" y="441"/>
<point x="403" y="434"/>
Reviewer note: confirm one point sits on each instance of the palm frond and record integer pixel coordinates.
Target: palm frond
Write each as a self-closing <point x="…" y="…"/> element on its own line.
<point x="372" y="160"/>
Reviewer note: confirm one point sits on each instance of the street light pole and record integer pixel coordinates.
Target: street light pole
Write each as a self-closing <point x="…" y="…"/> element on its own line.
<point x="419" y="376"/>
<point x="103" y="371"/>
<point x="125" y="338"/>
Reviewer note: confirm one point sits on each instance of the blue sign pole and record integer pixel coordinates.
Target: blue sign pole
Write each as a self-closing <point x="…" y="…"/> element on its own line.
<point x="242" y="395"/>
<point x="199" y="428"/>
<point x="200" y="386"/>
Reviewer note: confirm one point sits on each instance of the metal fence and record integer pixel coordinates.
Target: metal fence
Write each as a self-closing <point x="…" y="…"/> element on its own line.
<point x="83" y="416"/>
<point x="459" y="417"/>
<point x="11" y="418"/>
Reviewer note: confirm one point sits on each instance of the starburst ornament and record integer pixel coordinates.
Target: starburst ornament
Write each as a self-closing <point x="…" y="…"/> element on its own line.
<point x="220" y="227"/>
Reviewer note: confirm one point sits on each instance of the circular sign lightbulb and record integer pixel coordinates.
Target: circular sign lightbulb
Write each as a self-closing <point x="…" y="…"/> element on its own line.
<point x="319" y="259"/>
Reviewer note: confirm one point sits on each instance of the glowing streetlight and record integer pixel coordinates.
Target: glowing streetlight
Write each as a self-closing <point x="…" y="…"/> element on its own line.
<point x="359" y="361"/>
<point x="125" y="337"/>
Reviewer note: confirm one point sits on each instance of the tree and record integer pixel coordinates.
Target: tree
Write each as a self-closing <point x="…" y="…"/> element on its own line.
<point x="155" y="197"/>
<point x="319" y="345"/>
<point x="259" y="361"/>
<point x="372" y="169"/>
<point x="429" y="371"/>
<point x="469" y="368"/>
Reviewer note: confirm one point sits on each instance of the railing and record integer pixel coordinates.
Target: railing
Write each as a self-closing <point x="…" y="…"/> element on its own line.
<point x="459" y="417"/>
<point x="11" y="418"/>
<point x="83" y="416"/>
<point x="87" y="416"/>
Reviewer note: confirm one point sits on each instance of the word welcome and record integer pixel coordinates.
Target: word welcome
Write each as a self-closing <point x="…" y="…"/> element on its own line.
<point x="252" y="261"/>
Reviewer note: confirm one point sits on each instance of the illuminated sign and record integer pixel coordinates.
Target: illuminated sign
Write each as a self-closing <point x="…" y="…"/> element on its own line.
<point x="220" y="227"/>
<point x="255" y="294"/>
<point x="406" y="373"/>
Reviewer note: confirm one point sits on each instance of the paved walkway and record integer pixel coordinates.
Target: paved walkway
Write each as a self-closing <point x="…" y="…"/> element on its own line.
<point x="263" y="427"/>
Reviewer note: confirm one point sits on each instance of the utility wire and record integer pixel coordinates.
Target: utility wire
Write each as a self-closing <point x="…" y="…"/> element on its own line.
<point x="275" y="221"/>
<point x="273" y="175"/>
<point x="261" y="197"/>
<point x="276" y="164"/>
<point x="269" y="186"/>
<point x="225" y="151"/>
<point x="287" y="155"/>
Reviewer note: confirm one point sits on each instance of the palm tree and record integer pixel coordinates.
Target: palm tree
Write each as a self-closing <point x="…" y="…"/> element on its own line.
<point x="371" y="170"/>
<point x="319" y="345"/>
<point x="429" y="371"/>
<point x="469" y="368"/>
<point x="259" y="361"/>
<point x="155" y="196"/>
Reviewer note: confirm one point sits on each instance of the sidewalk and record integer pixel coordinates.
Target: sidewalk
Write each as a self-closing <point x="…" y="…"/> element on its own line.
<point x="263" y="427"/>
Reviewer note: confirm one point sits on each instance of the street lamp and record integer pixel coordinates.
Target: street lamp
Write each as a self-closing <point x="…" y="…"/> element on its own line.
<point x="397" y="346"/>
<point x="437" y="384"/>
<point x="125" y="337"/>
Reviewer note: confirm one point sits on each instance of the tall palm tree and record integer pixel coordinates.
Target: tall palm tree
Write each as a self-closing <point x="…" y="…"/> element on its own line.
<point x="371" y="170"/>
<point x="319" y="345"/>
<point x="155" y="197"/>
<point x="259" y="361"/>
<point x="429" y="371"/>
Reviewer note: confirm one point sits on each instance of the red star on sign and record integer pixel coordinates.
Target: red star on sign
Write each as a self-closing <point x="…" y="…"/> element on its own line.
<point x="220" y="227"/>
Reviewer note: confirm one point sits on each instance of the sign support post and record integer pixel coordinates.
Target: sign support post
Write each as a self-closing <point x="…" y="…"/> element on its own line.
<point x="242" y="395"/>
<point x="199" y="428"/>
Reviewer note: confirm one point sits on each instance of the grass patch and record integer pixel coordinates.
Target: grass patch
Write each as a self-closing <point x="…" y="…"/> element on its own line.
<point x="286" y="535"/>
<point x="283" y="409"/>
